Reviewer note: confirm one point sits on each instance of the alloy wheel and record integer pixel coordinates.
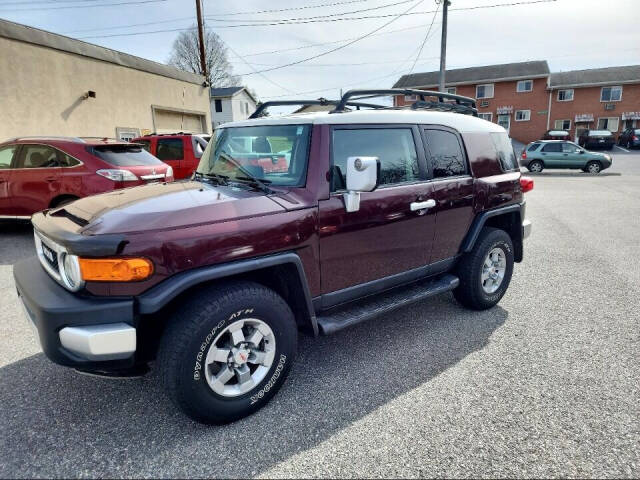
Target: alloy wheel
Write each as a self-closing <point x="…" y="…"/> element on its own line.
<point x="493" y="270"/>
<point x="240" y="357"/>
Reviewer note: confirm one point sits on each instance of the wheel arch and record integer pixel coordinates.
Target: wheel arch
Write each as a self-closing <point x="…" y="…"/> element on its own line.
<point x="284" y="273"/>
<point x="60" y="199"/>
<point x="508" y="218"/>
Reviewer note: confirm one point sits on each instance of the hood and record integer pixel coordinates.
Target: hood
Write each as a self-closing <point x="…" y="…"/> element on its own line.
<point x="165" y="206"/>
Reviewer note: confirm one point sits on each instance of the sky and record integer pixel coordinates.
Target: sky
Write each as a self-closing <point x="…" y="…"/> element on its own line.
<point x="569" y="34"/>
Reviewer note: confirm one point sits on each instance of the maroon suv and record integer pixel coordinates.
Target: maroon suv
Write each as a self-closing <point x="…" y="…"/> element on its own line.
<point x="46" y="172"/>
<point x="213" y="277"/>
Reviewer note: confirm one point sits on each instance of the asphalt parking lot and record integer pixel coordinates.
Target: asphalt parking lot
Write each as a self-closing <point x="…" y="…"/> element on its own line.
<point x="545" y="384"/>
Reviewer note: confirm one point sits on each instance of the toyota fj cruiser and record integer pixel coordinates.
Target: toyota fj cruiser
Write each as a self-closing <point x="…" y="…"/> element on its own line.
<point x="213" y="277"/>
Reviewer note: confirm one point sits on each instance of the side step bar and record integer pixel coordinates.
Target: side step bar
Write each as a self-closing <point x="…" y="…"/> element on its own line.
<point x="350" y="314"/>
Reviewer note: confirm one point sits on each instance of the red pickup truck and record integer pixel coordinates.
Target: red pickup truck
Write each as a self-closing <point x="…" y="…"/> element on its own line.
<point x="180" y="150"/>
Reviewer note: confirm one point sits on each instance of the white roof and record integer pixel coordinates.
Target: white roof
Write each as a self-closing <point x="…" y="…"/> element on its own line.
<point x="457" y="121"/>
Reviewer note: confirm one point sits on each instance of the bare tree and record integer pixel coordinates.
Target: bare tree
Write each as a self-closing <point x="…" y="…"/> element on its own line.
<point x="185" y="55"/>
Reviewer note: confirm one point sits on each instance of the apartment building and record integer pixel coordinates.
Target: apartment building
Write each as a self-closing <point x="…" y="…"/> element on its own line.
<point x="526" y="99"/>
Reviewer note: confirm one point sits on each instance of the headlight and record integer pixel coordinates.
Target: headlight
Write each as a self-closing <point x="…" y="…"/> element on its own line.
<point x="70" y="272"/>
<point x="169" y="173"/>
<point x="117" y="175"/>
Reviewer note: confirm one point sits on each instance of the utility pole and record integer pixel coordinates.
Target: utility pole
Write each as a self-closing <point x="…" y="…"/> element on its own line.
<point x="203" y="60"/>
<point x="443" y="43"/>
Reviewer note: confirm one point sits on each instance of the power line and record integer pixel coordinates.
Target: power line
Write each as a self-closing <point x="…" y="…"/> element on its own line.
<point x="293" y="8"/>
<point x="425" y="38"/>
<point x="136" y="2"/>
<point x="259" y="73"/>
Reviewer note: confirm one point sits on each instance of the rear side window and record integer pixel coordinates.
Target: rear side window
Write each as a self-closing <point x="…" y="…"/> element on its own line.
<point x="67" y="161"/>
<point x="445" y="153"/>
<point x="504" y="149"/>
<point x="533" y="147"/>
<point x="6" y="155"/>
<point x="170" y="149"/>
<point x="124" y="155"/>
<point x="552" y="147"/>
<point x="393" y="146"/>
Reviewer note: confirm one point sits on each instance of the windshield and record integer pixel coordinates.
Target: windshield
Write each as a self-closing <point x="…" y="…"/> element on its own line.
<point x="125" y="155"/>
<point x="274" y="154"/>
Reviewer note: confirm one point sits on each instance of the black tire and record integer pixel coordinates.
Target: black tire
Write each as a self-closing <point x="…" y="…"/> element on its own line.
<point x="191" y="332"/>
<point x="593" y="167"/>
<point x="470" y="292"/>
<point x="535" y="162"/>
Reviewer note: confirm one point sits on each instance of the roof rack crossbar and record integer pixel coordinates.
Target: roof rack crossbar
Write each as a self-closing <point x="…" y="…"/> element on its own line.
<point x="260" y="111"/>
<point x="468" y="103"/>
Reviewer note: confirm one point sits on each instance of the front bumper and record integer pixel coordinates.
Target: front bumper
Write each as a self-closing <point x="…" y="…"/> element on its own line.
<point x="73" y="330"/>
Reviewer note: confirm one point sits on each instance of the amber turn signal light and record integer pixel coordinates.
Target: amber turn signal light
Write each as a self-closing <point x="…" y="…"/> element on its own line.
<point x="115" y="269"/>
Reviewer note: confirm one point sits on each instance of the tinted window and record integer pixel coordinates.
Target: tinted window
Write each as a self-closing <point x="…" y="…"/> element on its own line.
<point x="393" y="146"/>
<point x="67" y="161"/>
<point x="552" y="147"/>
<point x="170" y="149"/>
<point x="38" y="156"/>
<point x="146" y="144"/>
<point x="125" y="155"/>
<point x="6" y="154"/>
<point x="445" y="153"/>
<point x="504" y="149"/>
<point x="276" y="154"/>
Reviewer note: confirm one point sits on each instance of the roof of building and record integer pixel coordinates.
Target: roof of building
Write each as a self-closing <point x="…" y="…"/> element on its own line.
<point x="489" y="73"/>
<point x="461" y="122"/>
<point x="229" y="92"/>
<point x="35" y="36"/>
<point x="596" y="76"/>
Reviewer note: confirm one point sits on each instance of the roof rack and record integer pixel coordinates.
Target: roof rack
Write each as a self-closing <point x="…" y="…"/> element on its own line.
<point x="154" y="134"/>
<point x="461" y="104"/>
<point x="260" y="111"/>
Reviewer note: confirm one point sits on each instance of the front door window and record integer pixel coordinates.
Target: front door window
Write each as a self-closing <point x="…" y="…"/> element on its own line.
<point x="504" y="121"/>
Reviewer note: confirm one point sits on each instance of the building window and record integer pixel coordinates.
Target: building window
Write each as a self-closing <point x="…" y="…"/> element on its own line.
<point x="451" y="90"/>
<point x="524" y="86"/>
<point x="486" y="116"/>
<point x="410" y="98"/>
<point x="608" y="123"/>
<point x="523" y="115"/>
<point x="484" y="91"/>
<point x="565" y="95"/>
<point x="218" y="103"/>
<point x="611" y="94"/>
<point x="563" y="125"/>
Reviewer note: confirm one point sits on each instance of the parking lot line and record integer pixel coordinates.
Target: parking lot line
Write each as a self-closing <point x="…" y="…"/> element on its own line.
<point x="623" y="149"/>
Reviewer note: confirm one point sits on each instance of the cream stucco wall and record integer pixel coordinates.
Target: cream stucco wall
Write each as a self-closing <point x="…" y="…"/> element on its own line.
<point x="41" y="90"/>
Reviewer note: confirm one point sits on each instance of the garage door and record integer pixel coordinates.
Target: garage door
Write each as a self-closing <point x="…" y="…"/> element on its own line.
<point x="168" y="121"/>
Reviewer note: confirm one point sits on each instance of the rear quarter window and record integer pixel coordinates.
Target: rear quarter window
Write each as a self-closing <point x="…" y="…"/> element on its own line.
<point x="170" y="149"/>
<point x="124" y="155"/>
<point x="504" y="150"/>
<point x="533" y="147"/>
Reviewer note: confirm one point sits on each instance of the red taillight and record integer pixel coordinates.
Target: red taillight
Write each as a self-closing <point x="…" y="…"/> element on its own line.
<point x="524" y="154"/>
<point x="634" y="138"/>
<point x="526" y="184"/>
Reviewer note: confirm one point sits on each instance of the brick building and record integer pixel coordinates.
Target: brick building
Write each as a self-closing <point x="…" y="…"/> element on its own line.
<point x="526" y="99"/>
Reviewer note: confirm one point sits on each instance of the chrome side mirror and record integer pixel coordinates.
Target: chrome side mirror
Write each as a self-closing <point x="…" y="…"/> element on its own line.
<point x="362" y="176"/>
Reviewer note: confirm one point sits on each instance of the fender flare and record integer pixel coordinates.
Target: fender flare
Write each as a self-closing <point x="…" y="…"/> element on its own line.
<point x="160" y="295"/>
<point x="480" y="220"/>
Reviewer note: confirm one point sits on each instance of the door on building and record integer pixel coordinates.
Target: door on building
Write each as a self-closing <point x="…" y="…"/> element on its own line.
<point x="580" y="127"/>
<point x="169" y="121"/>
<point x="504" y="121"/>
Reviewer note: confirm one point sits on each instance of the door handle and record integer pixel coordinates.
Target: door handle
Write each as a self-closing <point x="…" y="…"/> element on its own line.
<point x="422" y="205"/>
<point x="50" y="179"/>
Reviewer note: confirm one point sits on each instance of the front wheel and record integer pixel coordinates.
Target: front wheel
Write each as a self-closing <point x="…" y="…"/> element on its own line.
<point x="486" y="271"/>
<point x="593" y="167"/>
<point x="227" y="351"/>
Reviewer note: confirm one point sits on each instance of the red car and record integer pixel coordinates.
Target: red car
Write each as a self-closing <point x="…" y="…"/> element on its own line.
<point x="180" y="150"/>
<point x="44" y="172"/>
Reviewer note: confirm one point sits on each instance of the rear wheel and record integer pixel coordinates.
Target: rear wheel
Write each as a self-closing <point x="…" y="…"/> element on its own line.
<point x="536" y="166"/>
<point x="485" y="272"/>
<point x="227" y="351"/>
<point x="593" y="167"/>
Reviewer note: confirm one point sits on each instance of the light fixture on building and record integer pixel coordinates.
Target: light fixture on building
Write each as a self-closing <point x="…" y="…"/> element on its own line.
<point x="89" y="94"/>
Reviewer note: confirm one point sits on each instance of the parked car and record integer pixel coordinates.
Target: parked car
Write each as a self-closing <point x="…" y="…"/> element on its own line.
<point x="630" y="138"/>
<point x="556" y="135"/>
<point x="46" y="172"/>
<point x="180" y="150"/>
<point x="597" y="139"/>
<point x="542" y="154"/>
<point x="215" y="276"/>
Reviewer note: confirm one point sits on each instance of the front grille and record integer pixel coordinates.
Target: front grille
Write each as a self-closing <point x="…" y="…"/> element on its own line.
<point x="50" y="256"/>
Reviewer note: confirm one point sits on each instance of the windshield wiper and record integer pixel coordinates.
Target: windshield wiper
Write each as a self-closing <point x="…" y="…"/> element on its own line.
<point x="250" y="179"/>
<point x="219" y="179"/>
